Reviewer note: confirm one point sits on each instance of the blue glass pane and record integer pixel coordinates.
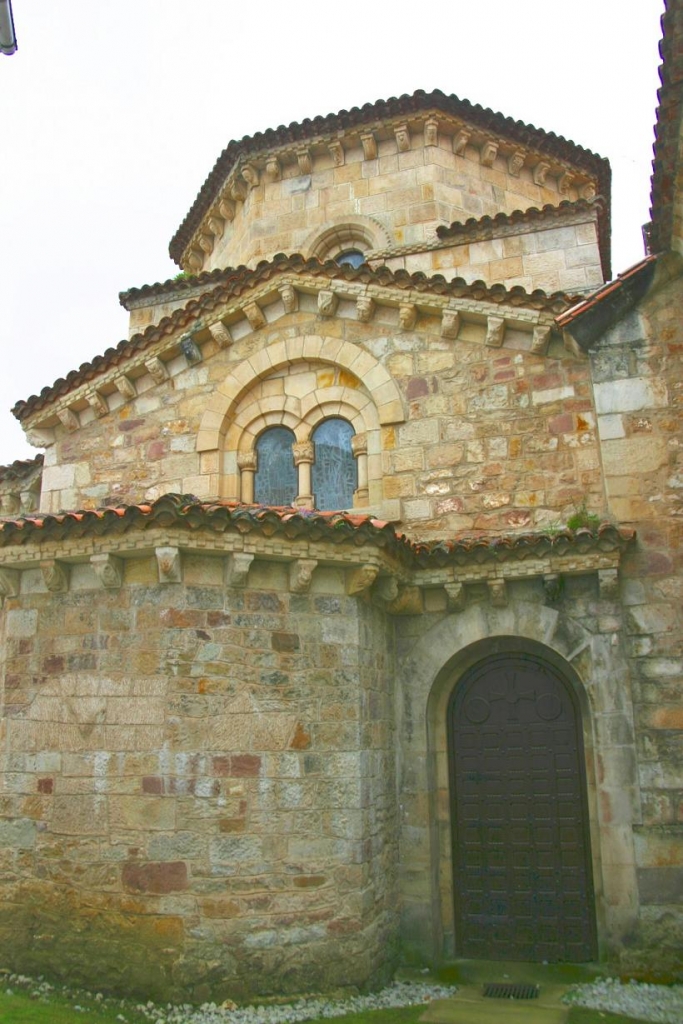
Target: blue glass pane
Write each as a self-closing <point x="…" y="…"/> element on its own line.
<point x="334" y="470"/>
<point x="275" y="481"/>
<point x="350" y="258"/>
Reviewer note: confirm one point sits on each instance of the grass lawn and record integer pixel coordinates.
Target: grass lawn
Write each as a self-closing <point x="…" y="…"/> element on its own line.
<point x="20" y="1008"/>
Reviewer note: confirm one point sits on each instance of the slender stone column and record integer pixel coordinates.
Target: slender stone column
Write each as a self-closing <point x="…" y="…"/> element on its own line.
<point x="359" y="447"/>
<point x="304" y="454"/>
<point x="247" y="463"/>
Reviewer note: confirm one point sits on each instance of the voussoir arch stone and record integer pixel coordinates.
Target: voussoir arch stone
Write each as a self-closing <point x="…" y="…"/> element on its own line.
<point x="376" y="379"/>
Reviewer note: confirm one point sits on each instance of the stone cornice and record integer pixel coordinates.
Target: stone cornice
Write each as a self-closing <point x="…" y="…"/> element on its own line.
<point x="239" y="167"/>
<point x="393" y="569"/>
<point x="236" y="306"/>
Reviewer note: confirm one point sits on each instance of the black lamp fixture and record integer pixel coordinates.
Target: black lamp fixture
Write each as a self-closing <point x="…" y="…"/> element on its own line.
<point x="8" y="39"/>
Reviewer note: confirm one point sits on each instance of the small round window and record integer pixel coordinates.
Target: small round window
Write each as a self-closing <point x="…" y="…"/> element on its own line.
<point x="350" y="258"/>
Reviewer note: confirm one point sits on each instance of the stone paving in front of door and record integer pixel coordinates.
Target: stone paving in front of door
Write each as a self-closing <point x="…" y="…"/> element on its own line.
<point x="470" y="1006"/>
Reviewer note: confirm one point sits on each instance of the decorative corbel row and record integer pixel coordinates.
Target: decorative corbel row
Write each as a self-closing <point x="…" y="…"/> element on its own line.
<point x="365" y="308"/>
<point x="565" y="182"/>
<point x="98" y="404"/>
<point x="304" y="160"/>
<point x="156" y="369"/>
<point x="69" y="419"/>
<point x="108" y="569"/>
<point x="300" y="575"/>
<point x="220" y="334"/>
<point x="431" y="132"/>
<point x="541" y="337"/>
<point x="488" y="154"/>
<point x="191" y="350"/>
<point x="407" y="315"/>
<point x="460" y="142"/>
<point x="327" y="303"/>
<point x="10" y="581"/>
<point x="369" y="143"/>
<point x="250" y="174"/>
<point x="169" y="565"/>
<point x="540" y="172"/>
<point x="457" y="596"/>
<point x="239" y="564"/>
<point x="361" y="579"/>
<point x="402" y="136"/>
<point x="273" y="169"/>
<point x="495" y="329"/>
<point x="254" y="315"/>
<point x="125" y="386"/>
<point x="336" y="152"/>
<point x="450" y="323"/>
<point x="290" y="298"/>
<point x="515" y="163"/>
<point x="55" y="576"/>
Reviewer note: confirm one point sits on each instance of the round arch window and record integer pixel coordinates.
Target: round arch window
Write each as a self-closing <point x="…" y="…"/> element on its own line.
<point x="350" y="258"/>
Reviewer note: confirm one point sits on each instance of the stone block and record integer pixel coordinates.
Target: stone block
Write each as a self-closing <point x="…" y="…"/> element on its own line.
<point x="630" y="395"/>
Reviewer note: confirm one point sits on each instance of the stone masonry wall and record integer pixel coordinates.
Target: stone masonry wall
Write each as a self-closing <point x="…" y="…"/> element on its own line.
<point x="197" y="784"/>
<point x="638" y="372"/>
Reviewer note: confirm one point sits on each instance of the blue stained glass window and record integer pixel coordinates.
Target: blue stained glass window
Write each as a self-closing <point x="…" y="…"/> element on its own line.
<point x="275" y="481"/>
<point x="334" y="476"/>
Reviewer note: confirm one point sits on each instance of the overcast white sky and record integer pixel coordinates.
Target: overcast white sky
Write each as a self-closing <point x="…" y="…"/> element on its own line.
<point x="112" y="115"/>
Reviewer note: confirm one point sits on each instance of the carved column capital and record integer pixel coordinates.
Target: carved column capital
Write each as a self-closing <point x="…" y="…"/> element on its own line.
<point x="248" y="460"/>
<point x="359" y="445"/>
<point x="303" y="451"/>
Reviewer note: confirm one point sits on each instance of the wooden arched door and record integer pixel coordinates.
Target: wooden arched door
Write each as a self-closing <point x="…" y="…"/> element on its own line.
<point x="521" y="848"/>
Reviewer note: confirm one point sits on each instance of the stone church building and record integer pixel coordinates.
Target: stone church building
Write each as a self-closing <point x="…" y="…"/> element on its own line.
<point x="341" y="617"/>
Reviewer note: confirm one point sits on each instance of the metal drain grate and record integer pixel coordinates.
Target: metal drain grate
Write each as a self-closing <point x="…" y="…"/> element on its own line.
<point x="510" y="990"/>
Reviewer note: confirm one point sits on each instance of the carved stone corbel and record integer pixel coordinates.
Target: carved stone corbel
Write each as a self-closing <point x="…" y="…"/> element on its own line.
<point x="226" y="208"/>
<point x="552" y="586"/>
<point x="98" y="404"/>
<point x="300" y="575"/>
<point x="108" y="569"/>
<point x="327" y="303"/>
<point x="488" y="154"/>
<point x="431" y="131"/>
<point x="541" y="337"/>
<point x="336" y="152"/>
<point x="220" y="334"/>
<point x="460" y="142"/>
<point x="402" y="136"/>
<point x="304" y="160"/>
<point x="156" y="369"/>
<point x="498" y="593"/>
<point x="254" y="315"/>
<point x="125" y="386"/>
<point x="407" y="315"/>
<point x="290" y="298"/>
<point x="515" y="163"/>
<point x="69" y="419"/>
<point x="386" y="588"/>
<point x="407" y="602"/>
<point x="55" y="576"/>
<point x="250" y="174"/>
<point x="495" y="329"/>
<point x="588" y="192"/>
<point x="191" y="350"/>
<point x="28" y="500"/>
<point x="206" y="242"/>
<point x="239" y="564"/>
<point x="195" y="261"/>
<point x="565" y="182"/>
<point x="450" y="323"/>
<point x="10" y="582"/>
<point x="608" y="582"/>
<point x="273" y="169"/>
<point x="216" y="225"/>
<point x="369" y="143"/>
<point x="365" y="308"/>
<point x="169" y="565"/>
<point x="360" y="579"/>
<point x="238" y="189"/>
<point x="540" y="172"/>
<point x="457" y="596"/>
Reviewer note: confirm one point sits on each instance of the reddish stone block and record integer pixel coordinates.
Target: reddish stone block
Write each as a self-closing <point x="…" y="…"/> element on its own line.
<point x="245" y="765"/>
<point x="232" y="825"/>
<point x="285" y="642"/>
<point x="46" y="785"/>
<point x="301" y="739"/>
<point x="152" y="784"/>
<point x="309" y="881"/>
<point x="563" y="424"/>
<point x="53" y="666"/>
<point x="159" y="878"/>
<point x="221" y="765"/>
<point x="417" y="388"/>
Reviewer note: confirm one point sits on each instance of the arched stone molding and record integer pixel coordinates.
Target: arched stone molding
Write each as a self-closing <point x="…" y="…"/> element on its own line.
<point x="365" y="233"/>
<point x="596" y="669"/>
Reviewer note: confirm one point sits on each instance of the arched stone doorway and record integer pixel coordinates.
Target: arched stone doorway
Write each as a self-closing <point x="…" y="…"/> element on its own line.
<point x="522" y="872"/>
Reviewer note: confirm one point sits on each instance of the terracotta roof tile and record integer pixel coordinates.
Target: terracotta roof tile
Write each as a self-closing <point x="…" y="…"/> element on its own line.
<point x="608" y="303"/>
<point x="189" y="512"/>
<point x="406" y="105"/>
<point x="176" y="286"/>
<point x="21" y="468"/>
<point x="667" y="174"/>
<point x="236" y="282"/>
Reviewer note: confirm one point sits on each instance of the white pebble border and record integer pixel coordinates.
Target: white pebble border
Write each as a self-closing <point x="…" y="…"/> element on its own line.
<point x="662" y="1004"/>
